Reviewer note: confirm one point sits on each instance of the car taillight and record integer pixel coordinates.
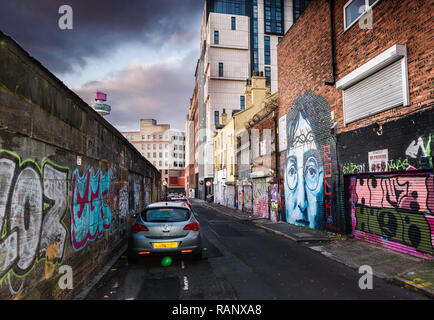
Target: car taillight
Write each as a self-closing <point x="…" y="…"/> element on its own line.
<point x="139" y="227"/>
<point x="192" y="226"/>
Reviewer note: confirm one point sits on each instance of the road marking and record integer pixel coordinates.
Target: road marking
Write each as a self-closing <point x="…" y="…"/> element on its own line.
<point x="185" y="283"/>
<point x="182" y="264"/>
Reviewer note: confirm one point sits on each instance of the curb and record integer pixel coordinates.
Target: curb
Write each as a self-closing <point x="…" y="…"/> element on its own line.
<point x="398" y="279"/>
<point x="85" y="291"/>
<point x="312" y="239"/>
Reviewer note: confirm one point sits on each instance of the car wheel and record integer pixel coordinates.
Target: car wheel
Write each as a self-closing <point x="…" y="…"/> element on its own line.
<point x="197" y="256"/>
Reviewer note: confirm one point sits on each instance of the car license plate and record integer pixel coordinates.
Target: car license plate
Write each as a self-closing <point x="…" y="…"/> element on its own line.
<point x="160" y="245"/>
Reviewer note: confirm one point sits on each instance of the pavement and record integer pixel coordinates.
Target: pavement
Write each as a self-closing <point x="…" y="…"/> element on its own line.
<point x="405" y="270"/>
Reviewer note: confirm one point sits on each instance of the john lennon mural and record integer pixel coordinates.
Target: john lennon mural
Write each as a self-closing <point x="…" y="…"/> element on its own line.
<point x="307" y="122"/>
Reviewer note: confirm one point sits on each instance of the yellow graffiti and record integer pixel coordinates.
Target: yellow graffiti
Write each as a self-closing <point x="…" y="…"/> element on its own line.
<point x="50" y="255"/>
<point x="418" y="282"/>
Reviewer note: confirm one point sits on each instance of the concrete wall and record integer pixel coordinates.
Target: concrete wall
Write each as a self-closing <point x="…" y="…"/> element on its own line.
<point x="68" y="182"/>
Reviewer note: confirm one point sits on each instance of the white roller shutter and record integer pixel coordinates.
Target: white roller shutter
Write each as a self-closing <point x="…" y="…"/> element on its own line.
<point x="378" y="92"/>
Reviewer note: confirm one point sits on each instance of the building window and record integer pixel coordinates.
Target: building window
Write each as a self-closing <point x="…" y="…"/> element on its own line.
<point x="155" y="147"/>
<point x="155" y="163"/>
<point x="143" y="147"/>
<point x="132" y="137"/>
<point x="242" y="102"/>
<point x="267" y="50"/>
<point x="354" y="9"/>
<point x="268" y="75"/>
<point x="149" y="147"/>
<point x="233" y="23"/>
<point x="273" y="16"/>
<point x="237" y="7"/>
<point x="149" y="154"/>
<point x="216" y="117"/>
<point x="161" y="136"/>
<point x="160" y="146"/>
<point x="160" y="155"/>
<point x="220" y="69"/>
<point x="299" y="6"/>
<point x="143" y="137"/>
<point x="166" y="146"/>
<point x="166" y="154"/>
<point x="155" y="154"/>
<point x="216" y="37"/>
<point x="279" y="39"/>
<point x="175" y="164"/>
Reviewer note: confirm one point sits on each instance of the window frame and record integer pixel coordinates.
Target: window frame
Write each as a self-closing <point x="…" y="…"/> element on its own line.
<point x="216" y="37"/>
<point x="367" y="7"/>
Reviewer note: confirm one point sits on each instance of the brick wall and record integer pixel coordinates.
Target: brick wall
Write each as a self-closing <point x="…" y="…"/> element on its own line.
<point x="69" y="182"/>
<point x="407" y="23"/>
<point x="305" y="65"/>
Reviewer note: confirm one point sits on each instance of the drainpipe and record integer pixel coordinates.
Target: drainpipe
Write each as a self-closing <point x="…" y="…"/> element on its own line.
<point x="332" y="43"/>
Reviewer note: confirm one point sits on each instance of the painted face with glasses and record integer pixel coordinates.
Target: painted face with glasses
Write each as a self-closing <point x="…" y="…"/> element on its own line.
<point x="303" y="175"/>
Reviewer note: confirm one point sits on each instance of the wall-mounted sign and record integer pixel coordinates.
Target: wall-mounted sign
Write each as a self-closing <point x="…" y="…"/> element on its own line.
<point x="282" y="133"/>
<point x="208" y="183"/>
<point x="378" y="160"/>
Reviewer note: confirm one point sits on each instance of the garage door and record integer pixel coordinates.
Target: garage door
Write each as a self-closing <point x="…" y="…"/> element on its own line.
<point x="395" y="211"/>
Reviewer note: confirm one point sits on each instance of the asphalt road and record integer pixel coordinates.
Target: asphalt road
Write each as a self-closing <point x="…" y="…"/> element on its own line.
<point x="241" y="262"/>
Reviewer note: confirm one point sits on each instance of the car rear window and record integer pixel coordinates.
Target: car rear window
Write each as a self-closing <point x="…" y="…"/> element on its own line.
<point x="166" y="215"/>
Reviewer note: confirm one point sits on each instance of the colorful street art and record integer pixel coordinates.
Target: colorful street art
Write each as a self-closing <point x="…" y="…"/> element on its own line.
<point x="230" y="196"/>
<point x="33" y="203"/>
<point x="247" y="198"/>
<point x="308" y="159"/>
<point x="90" y="212"/>
<point x="260" y="199"/>
<point x="395" y="210"/>
<point x="274" y="203"/>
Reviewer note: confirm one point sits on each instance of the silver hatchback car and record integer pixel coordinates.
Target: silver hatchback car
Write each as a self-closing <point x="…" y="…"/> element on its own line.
<point x="165" y="228"/>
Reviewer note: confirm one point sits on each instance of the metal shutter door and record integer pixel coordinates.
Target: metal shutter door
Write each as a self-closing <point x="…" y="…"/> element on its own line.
<point x="380" y="91"/>
<point x="395" y="211"/>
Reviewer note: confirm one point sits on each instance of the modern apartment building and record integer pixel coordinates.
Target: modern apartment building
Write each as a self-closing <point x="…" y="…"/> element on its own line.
<point x="164" y="148"/>
<point x="238" y="39"/>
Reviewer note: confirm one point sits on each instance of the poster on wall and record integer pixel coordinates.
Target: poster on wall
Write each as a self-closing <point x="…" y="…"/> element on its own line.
<point x="378" y="160"/>
<point x="282" y="133"/>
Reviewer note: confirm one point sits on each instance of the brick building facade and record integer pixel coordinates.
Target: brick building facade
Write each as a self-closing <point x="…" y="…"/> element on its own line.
<point x="357" y="95"/>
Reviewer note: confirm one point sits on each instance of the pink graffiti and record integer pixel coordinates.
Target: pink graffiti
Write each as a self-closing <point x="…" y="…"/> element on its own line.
<point x="415" y="193"/>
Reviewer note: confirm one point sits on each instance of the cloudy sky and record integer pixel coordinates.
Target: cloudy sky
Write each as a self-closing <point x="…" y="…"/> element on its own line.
<point x="142" y="53"/>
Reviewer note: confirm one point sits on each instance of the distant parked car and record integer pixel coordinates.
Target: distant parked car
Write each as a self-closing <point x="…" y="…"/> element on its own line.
<point x="181" y="199"/>
<point x="165" y="228"/>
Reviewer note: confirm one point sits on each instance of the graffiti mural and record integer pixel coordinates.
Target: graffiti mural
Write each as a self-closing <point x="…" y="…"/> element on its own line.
<point x="308" y="159"/>
<point x="260" y="199"/>
<point x="90" y="210"/>
<point x="247" y="198"/>
<point x="33" y="203"/>
<point x="230" y="196"/>
<point x="274" y="203"/>
<point x="395" y="210"/>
